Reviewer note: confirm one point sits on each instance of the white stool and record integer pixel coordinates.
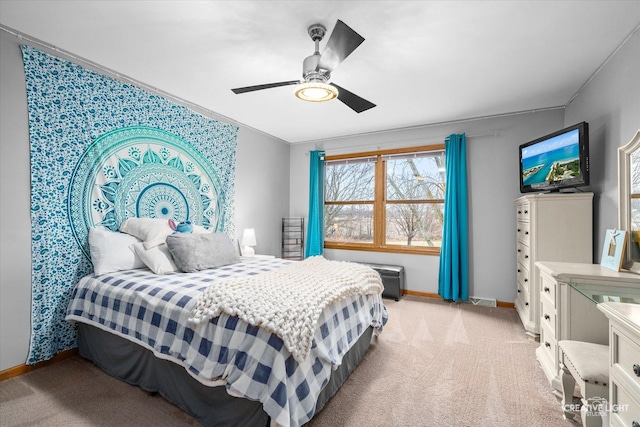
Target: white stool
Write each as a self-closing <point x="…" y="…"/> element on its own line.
<point x="588" y="365"/>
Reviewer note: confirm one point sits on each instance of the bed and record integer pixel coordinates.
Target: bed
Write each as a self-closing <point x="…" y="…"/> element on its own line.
<point x="140" y="327"/>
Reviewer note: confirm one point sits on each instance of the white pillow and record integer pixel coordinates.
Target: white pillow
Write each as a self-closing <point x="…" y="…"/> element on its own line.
<point x="157" y="258"/>
<point x="110" y="251"/>
<point x="152" y="231"/>
<point x="198" y="229"/>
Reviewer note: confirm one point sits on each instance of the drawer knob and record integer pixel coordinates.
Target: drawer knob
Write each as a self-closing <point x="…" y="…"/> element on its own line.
<point x="526" y="303"/>
<point x="526" y="256"/>
<point x="546" y="317"/>
<point x="526" y="232"/>
<point x="526" y="280"/>
<point x="546" y="289"/>
<point x="526" y="212"/>
<point x="547" y="344"/>
<point x="636" y="370"/>
<point x="519" y="291"/>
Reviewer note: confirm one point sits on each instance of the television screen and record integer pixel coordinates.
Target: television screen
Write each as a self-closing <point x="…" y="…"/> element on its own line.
<point x="556" y="161"/>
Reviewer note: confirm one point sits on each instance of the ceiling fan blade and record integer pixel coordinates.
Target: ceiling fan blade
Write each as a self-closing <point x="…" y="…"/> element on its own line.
<point x="239" y="90"/>
<point x="342" y="42"/>
<point x="352" y="100"/>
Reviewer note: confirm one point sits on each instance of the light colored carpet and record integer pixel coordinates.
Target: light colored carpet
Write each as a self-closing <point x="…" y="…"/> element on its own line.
<point x="446" y="364"/>
<point x="435" y="364"/>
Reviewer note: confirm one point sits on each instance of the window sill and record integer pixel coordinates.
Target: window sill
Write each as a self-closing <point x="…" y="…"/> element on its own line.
<point x="394" y="249"/>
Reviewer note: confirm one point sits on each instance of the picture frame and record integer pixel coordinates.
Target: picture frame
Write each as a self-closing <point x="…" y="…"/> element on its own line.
<point x="614" y="247"/>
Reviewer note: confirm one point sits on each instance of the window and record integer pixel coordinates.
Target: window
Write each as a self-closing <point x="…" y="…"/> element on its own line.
<point x="388" y="201"/>
<point x="635" y="193"/>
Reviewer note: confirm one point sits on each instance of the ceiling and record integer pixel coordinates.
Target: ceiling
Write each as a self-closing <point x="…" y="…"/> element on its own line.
<point x="422" y="62"/>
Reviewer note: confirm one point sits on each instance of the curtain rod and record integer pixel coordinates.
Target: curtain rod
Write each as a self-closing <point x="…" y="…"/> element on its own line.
<point x="416" y="140"/>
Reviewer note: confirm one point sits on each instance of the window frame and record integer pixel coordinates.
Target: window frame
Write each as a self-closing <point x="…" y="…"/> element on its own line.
<point x="380" y="203"/>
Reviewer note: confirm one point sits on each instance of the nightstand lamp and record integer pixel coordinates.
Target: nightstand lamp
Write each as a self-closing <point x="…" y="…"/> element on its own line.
<point x="248" y="241"/>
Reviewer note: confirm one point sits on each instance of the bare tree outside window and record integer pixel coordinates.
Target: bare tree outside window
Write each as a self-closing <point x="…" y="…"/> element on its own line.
<point x="351" y="182"/>
<point x="635" y="191"/>
<point x="390" y="201"/>
<point x="415" y="199"/>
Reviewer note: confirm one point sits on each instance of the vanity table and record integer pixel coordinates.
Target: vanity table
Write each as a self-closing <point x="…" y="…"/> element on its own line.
<point x="569" y="297"/>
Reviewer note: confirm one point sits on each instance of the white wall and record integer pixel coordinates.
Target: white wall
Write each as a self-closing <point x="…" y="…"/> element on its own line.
<point x="611" y="105"/>
<point x="15" y="223"/>
<point x="262" y="188"/>
<point x="493" y="186"/>
<point x="261" y="199"/>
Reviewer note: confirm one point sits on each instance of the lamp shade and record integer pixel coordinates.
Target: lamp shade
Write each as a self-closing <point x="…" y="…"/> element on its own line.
<point x="249" y="237"/>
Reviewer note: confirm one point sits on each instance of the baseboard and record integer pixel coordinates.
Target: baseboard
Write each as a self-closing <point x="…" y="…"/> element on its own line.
<point x="505" y="304"/>
<point x="430" y="295"/>
<point x="24" y="368"/>
<point x="421" y="294"/>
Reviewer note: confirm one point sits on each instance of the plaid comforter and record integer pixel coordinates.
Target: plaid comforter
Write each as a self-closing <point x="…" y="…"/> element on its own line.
<point x="152" y="311"/>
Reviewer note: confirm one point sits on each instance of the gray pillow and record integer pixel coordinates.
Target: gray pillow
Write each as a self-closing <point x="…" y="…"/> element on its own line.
<point x="195" y="252"/>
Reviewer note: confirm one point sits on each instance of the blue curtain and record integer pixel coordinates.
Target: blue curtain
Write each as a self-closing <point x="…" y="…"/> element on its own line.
<point x="453" y="281"/>
<point x="315" y="223"/>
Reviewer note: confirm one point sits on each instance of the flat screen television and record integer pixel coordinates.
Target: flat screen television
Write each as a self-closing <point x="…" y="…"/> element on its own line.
<point x="556" y="161"/>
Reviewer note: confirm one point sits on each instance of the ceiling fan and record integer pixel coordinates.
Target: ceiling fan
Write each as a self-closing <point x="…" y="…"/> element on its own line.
<point x="317" y="68"/>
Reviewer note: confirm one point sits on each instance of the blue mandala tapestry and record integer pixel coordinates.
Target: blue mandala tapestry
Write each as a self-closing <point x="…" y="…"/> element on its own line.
<point x="103" y="151"/>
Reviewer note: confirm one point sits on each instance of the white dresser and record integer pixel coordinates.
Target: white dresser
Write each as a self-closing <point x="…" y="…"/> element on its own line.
<point x="549" y="227"/>
<point x="624" y="362"/>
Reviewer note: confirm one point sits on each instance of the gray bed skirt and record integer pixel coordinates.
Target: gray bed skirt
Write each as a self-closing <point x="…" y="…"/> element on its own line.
<point x="212" y="406"/>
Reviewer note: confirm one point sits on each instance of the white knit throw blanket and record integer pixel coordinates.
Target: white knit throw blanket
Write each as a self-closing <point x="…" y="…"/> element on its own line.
<point x="287" y="302"/>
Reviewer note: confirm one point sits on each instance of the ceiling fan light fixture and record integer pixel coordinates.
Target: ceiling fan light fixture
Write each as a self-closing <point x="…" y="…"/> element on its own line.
<point x="316" y="92"/>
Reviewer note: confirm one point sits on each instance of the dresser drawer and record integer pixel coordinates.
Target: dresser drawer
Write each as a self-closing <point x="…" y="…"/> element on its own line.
<point x="524" y="255"/>
<point x="522" y="231"/>
<point x="548" y="316"/>
<point x="548" y="344"/>
<point x="521" y="293"/>
<point x="524" y="278"/>
<point x="624" y="408"/>
<point x="625" y="354"/>
<point x="548" y="289"/>
<point x="522" y="211"/>
<point x="523" y="298"/>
